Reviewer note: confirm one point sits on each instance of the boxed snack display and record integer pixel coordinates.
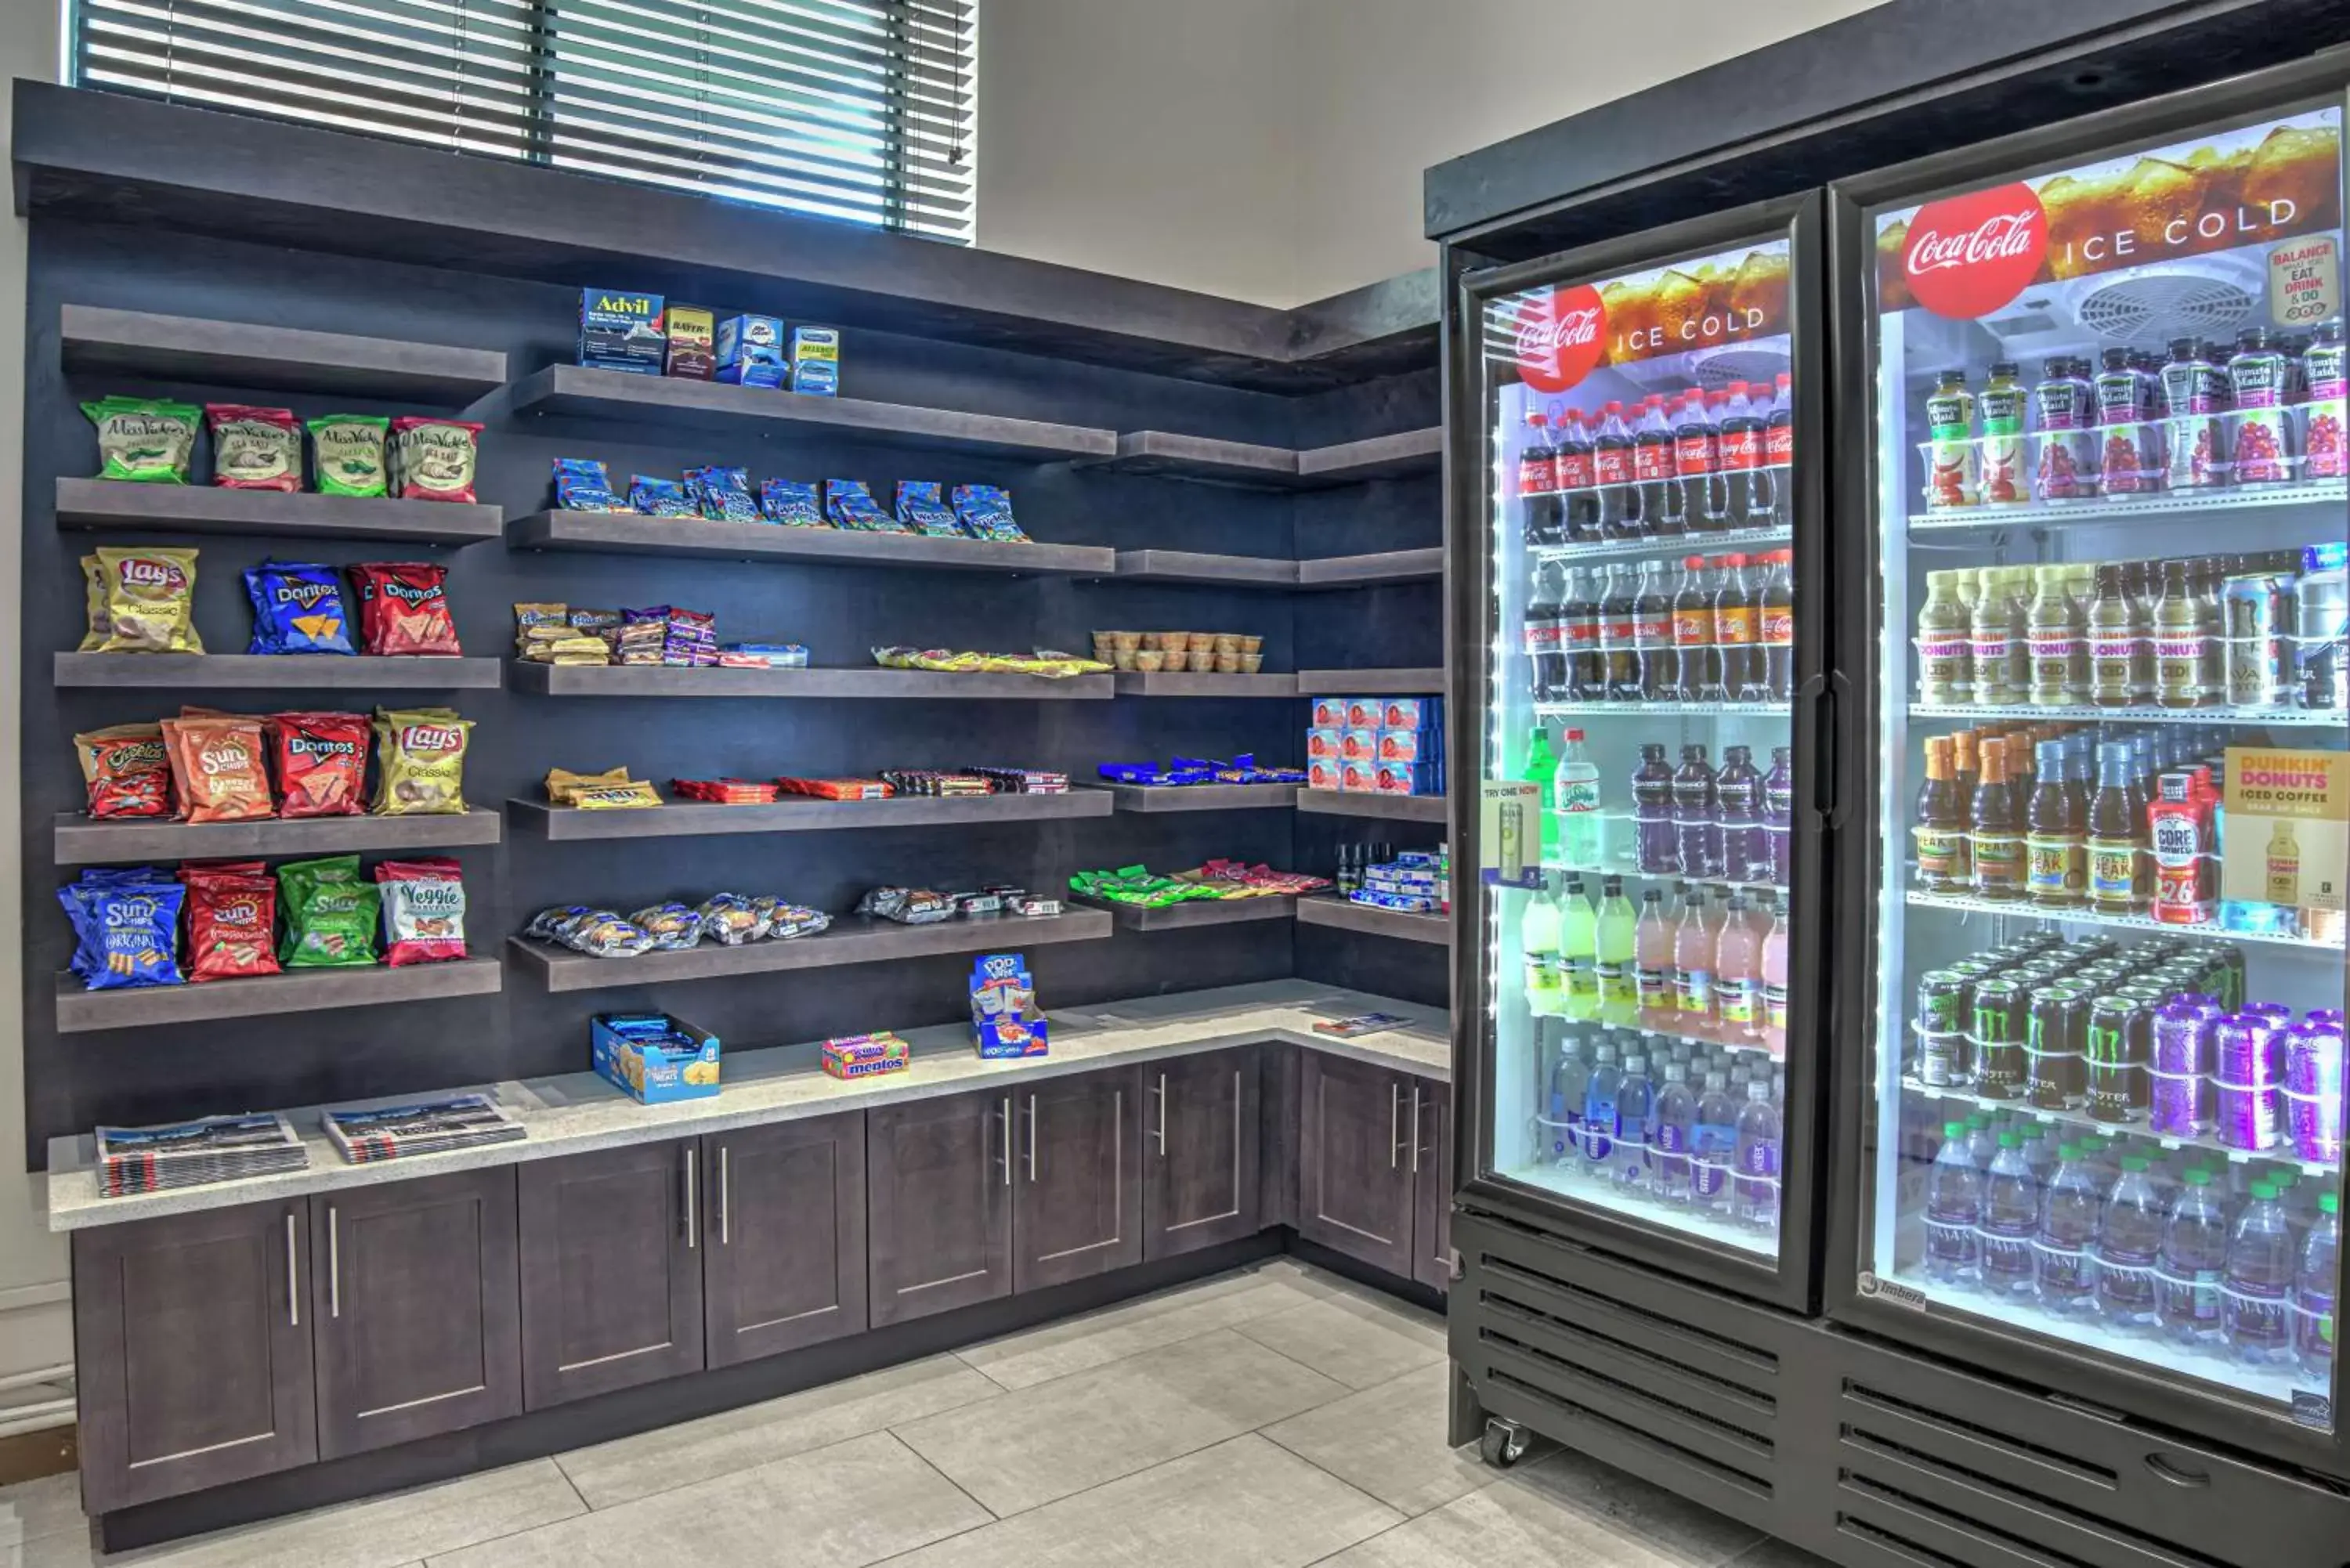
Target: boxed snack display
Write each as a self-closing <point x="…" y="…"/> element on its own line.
<point x="1377" y="745"/>
<point x="656" y="1057"/>
<point x="620" y="331"/>
<point x="816" y="360"/>
<point x="865" y="1055"/>
<point x="1004" y="1020"/>
<point x="751" y="351"/>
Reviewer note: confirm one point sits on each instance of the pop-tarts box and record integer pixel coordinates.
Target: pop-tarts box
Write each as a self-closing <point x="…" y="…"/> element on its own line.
<point x="1329" y="712"/>
<point x="1004" y="1020"/>
<point x="1358" y="777"/>
<point x="1363" y="712"/>
<point x="1408" y="712"/>
<point x="1324" y="741"/>
<point x="1405" y="778"/>
<point x="1356" y="745"/>
<point x="620" y="329"/>
<point x="816" y="360"/>
<point x="1322" y="773"/>
<point x="751" y="351"/>
<point x="1405" y="746"/>
<point x="639" y="1052"/>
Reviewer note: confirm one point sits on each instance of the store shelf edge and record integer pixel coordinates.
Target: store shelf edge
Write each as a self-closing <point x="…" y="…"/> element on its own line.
<point x="1198" y="566"/>
<point x="1370" y="571"/>
<point x="667" y="680"/>
<point x="1376" y="457"/>
<point x="1396" y="807"/>
<point x="1404" y="924"/>
<point x="81" y="841"/>
<point x="252" y="671"/>
<point x="1370" y="682"/>
<point x="296" y="991"/>
<point x="627" y="534"/>
<point x="1184" y="683"/>
<point x="108" y="503"/>
<point x="538" y="819"/>
<point x="1192" y="912"/>
<point x="1152" y="798"/>
<point x="138" y="342"/>
<point x="849" y="941"/>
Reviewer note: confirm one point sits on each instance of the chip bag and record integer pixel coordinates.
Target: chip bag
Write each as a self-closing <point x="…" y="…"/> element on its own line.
<point x="297" y="609"/>
<point x="346" y="453"/>
<point x="126" y="927"/>
<point x="254" y="449"/>
<point x="421" y="762"/>
<point x="93" y="581"/>
<point x="433" y="459"/>
<point x="149" y="440"/>
<point x="404" y="608"/>
<point x="321" y="763"/>
<point x="217" y="764"/>
<point x="128" y="771"/>
<point x="330" y="914"/>
<point x="232" y="923"/>
<point x="423" y="910"/>
<point x="150" y="598"/>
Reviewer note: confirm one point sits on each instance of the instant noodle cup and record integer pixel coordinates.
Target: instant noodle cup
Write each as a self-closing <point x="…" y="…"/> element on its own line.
<point x="149" y="601"/>
<point x="421" y="762"/>
<point x="217" y="764"/>
<point x="255" y="448"/>
<point x="145" y="440"/>
<point x="346" y="453"/>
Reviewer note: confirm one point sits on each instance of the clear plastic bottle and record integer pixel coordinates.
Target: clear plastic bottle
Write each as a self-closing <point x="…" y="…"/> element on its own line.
<point x="2260" y="1270"/>
<point x="1619" y="988"/>
<point x="1538" y="935"/>
<point x="1737" y="977"/>
<point x="1670" y="1139"/>
<point x="2191" y="1270"/>
<point x="1713" y="1144"/>
<point x="1579" y="953"/>
<point x="1693" y="949"/>
<point x="2011" y="1222"/>
<point x="1954" y="1211"/>
<point x="1562" y="1134"/>
<point x="2063" y="1268"/>
<point x="1575" y="806"/>
<point x="1600" y="1127"/>
<point x="2321" y="1258"/>
<point x="1738" y="808"/>
<point x="1779" y="816"/>
<point x="1695" y="812"/>
<point x="1756" y="1184"/>
<point x="1652" y="943"/>
<point x="1636" y="1104"/>
<point x="1774" y="981"/>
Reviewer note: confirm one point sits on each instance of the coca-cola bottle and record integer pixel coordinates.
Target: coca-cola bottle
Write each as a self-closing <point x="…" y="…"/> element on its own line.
<point x="1579" y="618"/>
<point x="1741" y="435"/>
<point x="1779" y="455"/>
<point x="1619" y="646"/>
<point x="1695" y="677"/>
<point x="1697" y="463"/>
<point x="1579" y="504"/>
<point x="1652" y="468"/>
<point x="1611" y="471"/>
<point x="1652" y="634"/>
<point x="1545" y="658"/>
<point x="1734" y="631"/>
<point x="1775" y="626"/>
<point x="1538" y="480"/>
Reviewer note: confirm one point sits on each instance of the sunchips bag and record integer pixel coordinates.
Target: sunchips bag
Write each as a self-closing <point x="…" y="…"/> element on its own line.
<point x="147" y="440"/>
<point x="218" y="762"/>
<point x="127" y="928"/>
<point x="330" y="914"/>
<point x="419" y="761"/>
<point x="150" y="597"/>
<point x="232" y="922"/>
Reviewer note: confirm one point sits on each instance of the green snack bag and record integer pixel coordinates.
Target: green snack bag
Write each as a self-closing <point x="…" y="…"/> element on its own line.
<point x="145" y="440"/>
<point x="330" y="914"/>
<point x="346" y="453"/>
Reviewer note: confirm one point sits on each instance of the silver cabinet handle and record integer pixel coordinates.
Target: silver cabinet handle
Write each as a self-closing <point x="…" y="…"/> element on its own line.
<point x="689" y="1197"/>
<point x="1032" y="1139"/>
<point x="1415" y="1129"/>
<point x="726" y="1199"/>
<point x="1008" y="1140"/>
<point x="292" y="1277"/>
<point x="1162" y="1112"/>
<point x="1394" y="1122"/>
<point x="334" y="1263"/>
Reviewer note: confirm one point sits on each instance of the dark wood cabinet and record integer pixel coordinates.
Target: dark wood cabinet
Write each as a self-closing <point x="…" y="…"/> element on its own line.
<point x="1431" y="1176"/>
<point x="611" y="1270"/>
<point x="416" y="1326"/>
<point x="1201" y="1174"/>
<point x="191" y="1345"/>
<point x="939" y="1203"/>
<point x="782" y="1236"/>
<point x="1076" y="1189"/>
<point x="1354" y="1147"/>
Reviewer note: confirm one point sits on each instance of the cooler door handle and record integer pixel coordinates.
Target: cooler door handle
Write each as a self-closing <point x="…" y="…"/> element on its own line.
<point x="1812" y="701"/>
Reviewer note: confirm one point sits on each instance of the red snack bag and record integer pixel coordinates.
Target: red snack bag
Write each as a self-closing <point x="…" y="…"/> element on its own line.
<point x="404" y="608"/>
<point x="216" y="762"/>
<point x="321" y="762"/>
<point x="232" y="922"/>
<point x="127" y="769"/>
<point x="423" y="910"/>
<point x="255" y="448"/>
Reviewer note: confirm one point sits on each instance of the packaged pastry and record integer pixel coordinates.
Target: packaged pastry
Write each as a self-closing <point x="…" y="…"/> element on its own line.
<point x="423" y="910"/>
<point x="217" y="766"/>
<point x="149" y="601"/>
<point x="421" y="762"/>
<point x="347" y="454"/>
<point x="232" y="922"/>
<point x="255" y="448"/>
<point x="433" y="459"/>
<point x="127" y="770"/>
<point x="146" y="440"/>
<point x="404" y="608"/>
<point x="671" y="926"/>
<point x="321" y="763"/>
<point x="731" y="920"/>
<point x="296" y="609"/>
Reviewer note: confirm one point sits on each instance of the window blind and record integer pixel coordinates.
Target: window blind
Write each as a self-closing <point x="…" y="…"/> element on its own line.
<point x="856" y="110"/>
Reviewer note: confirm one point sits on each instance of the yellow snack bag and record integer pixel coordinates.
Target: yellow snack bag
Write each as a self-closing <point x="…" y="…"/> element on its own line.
<point x="149" y="601"/>
<point x="421" y="762"/>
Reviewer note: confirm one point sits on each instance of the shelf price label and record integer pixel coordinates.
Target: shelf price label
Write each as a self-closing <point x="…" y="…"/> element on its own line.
<point x="1509" y="833"/>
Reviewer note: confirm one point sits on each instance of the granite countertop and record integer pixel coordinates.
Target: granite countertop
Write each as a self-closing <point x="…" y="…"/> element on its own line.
<point x="578" y="1112"/>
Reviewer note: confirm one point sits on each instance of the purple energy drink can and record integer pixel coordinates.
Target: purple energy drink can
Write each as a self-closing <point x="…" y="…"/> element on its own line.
<point x="2181" y="1102"/>
<point x="2245" y="1062"/>
<point x="2313" y="1085"/>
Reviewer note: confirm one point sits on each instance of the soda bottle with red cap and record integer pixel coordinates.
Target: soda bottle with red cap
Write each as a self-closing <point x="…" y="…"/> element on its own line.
<point x="1740" y="437"/>
<point x="1579" y="504"/>
<point x="1696" y="463"/>
<point x="1779" y="457"/>
<point x="1652" y="468"/>
<point x="1538" y="482"/>
<point x="1611" y="470"/>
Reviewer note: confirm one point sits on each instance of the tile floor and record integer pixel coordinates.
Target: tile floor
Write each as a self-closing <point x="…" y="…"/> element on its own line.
<point x="1279" y="1417"/>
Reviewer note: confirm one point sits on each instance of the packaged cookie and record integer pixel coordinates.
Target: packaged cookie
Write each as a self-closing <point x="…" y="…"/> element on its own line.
<point x="255" y="448"/>
<point x="217" y="766"/>
<point x="150" y="598"/>
<point x="346" y="453"/>
<point x="433" y="459"/>
<point x="146" y="440"/>
<point x="419" y="761"/>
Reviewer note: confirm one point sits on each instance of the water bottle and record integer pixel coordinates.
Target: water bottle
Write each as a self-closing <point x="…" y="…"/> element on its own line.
<point x="2130" y="1238"/>
<point x="1599" y="1123"/>
<point x="1983" y="1143"/>
<point x="2063" y="1273"/>
<point x="2039" y="1153"/>
<point x="2314" y="1294"/>
<point x="1574" y="794"/>
<point x="1954" y="1204"/>
<point x="1569" y="1076"/>
<point x="1713" y="1144"/>
<point x="1756" y="1184"/>
<point x="1636" y="1103"/>
<point x="2011" y="1222"/>
<point x="1669" y="1143"/>
<point x="2191" y="1271"/>
<point x="2257" y="1310"/>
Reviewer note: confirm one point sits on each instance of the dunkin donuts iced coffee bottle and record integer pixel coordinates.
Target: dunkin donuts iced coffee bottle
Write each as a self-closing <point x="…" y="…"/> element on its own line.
<point x="2180" y="641"/>
<point x="1996" y="639"/>
<point x="1945" y="659"/>
<point x="2053" y="626"/>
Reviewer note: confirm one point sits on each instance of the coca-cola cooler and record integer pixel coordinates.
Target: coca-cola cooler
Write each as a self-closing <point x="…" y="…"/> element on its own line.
<point x="1956" y="1176"/>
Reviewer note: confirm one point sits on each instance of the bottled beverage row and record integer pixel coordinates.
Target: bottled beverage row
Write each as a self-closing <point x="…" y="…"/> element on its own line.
<point x="1722" y="630"/>
<point x="1734" y="826"/>
<point x="1712" y="968"/>
<point x="2260" y="631"/>
<point x="2009" y="813"/>
<point x="1668" y="465"/>
<point x="2148" y="1246"/>
<point x="2158" y="1036"/>
<point x="1643" y="1117"/>
<point x="2200" y="417"/>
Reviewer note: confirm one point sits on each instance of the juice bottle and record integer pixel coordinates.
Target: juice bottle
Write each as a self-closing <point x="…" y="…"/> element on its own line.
<point x="1966" y="771"/>
<point x="1578" y="952"/>
<point x="1619" y="989"/>
<point x="1945" y="656"/>
<point x="1953" y="472"/>
<point x="1653" y="945"/>
<point x="1941" y="829"/>
<point x="1697" y="668"/>
<point x="2180" y="641"/>
<point x="1693" y="946"/>
<point x="2068" y="451"/>
<point x="2116" y="838"/>
<point x="1736" y="632"/>
<point x="2138" y="583"/>
<point x="2005" y="480"/>
<point x="1538" y="940"/>
<point x="2053" y="626"/>
<point x="2112" y="647"/>
<point x="1655" y="842"/>
<point x="1997" y="843"/>
<point x="1737" y="976"/>
<point x="2327" y="455"/>
<point x="1775" y="979"/>
<point x="2053" y="842"/>
<point x="1996" y="639"/>
<point x="2124" y="404"/>
<point x="2262" y="453"/>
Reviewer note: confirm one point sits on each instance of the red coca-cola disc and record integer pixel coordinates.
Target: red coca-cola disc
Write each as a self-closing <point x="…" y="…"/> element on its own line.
<point x="1968" y="256"/>
<point x="1560" y="333"/>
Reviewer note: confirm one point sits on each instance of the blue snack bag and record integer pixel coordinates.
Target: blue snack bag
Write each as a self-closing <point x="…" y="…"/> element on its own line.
<point x="985" y="512"/>
<point x="791" y="504"/>
<point x="923" y="508"/>
<point x="725" y="494"/>
<point x="581" y="485"/>
<point x="296" y="609"/>
<point x="127" y="933"/>
<point x="850" y="505"/>
<point x="660" y="497"/>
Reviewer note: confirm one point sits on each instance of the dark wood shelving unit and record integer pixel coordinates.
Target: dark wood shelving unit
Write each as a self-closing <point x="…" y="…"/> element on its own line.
<point x="273" y="671"/>
<point x="1192" y="912"/>
<point x="665" y="680"/>
<point x="1185" y="683"/>
<point x="574" y="390"/>
<point x="1208" y="570"/>
<point x="1393" y="807"/>
<point x="296" y="990"/>
<point x="1203" y="460"/>
<point x="95" y="341"/>
<point x="1150" y="798"/>
<point x="799" y="814"/>
<point x="850" y="940"/>
<point x="1370" y="682"/>
<point x="1344" y="914"/>
<point x="82" y="841"/>
<point x="1396" y="456"/>
<point x="627" y="534"/>
<point x="1370" y="571"/>
<point x="110" y="503"/>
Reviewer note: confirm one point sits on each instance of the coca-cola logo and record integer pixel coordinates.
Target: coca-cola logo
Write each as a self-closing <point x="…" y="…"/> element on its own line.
<point x="1970" y="254"/>
<point x="1559" y="334"/>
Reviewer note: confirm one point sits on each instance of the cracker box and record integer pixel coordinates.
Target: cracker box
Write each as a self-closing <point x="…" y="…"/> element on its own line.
<point x="1324" y="742"/>
<point x="1322" y="773"/>
<point x="816" y="361"/>
<point x="1329" y="712"/>
<point x="1358" y="777"/>
<point x="619" y="330"/>
<point x="865" y="1055"/>
<point x="751" y="351"/>
<point x="1358" y="744"/>
<point x="691" y="332"/>
<point x="1004" y="1020"/>
<point x="654" y="1056"/>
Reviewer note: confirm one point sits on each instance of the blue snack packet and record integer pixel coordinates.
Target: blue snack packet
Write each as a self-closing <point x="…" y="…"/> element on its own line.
<point x="923" y="508"/>
<point x="126" y="932"/>
<point x="725" y="494"/>
<point x="581" y="485"/>
<point x="660" y="497"/>
<point x="850" y="505"/>
<point x="296" y="609"/>
<point x="985" y="512"/>
<point x="790" y="503"/>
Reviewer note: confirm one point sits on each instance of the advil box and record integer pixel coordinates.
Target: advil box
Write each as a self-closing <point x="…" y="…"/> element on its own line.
<point x="655" y="1058"/>
<point x="621" y="331"/>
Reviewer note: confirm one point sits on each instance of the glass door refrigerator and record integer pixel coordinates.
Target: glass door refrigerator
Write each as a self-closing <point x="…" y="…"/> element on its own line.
<point x="2092" y="381"/>
<point x="1643" y="689"/>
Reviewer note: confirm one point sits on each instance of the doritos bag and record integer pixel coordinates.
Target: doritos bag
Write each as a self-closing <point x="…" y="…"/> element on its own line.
<point x="297" y="609"/>
<point x="321" y="763"/>
<point x="404" y="608"/>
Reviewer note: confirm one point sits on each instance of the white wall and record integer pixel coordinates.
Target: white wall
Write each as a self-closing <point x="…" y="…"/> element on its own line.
<point x="1272" y="150"/>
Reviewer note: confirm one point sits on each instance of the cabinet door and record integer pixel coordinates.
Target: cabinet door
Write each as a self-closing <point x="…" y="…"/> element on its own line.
<point x="1431" y="1176"/>
<point x="1354" y="1187"/>
<point x="783" y="1236"/>
<point x="192" y="1344"/>
<point x="1076" y="1204"/>
<point x="416" y="1324"/>
<point x="611" y="1270"/>
<point x="939" y="1214"/>
<point x="1200" y="1172"/>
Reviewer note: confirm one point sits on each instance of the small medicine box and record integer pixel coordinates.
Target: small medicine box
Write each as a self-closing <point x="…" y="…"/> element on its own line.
<point x="751" y="351"/>
<point x="621" y="331"/>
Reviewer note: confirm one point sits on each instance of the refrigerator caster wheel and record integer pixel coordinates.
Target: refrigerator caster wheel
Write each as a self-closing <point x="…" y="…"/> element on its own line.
<point x="1504" y="1444"/>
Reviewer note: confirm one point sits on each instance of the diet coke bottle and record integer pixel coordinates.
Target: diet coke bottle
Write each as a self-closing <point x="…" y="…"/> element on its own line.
<point x="1579" y="501"/>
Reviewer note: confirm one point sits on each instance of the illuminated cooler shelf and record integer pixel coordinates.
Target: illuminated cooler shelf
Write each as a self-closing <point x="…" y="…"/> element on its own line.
<point x="2125" y="508"/>
<point x="1563" y="868"/>
<point x="1597" y="1193"/>
<point x="1673" y="545"/>
<point x="2294" y="718"/>
<point x="1663" y="710"/>
<point x="2022" y="909"/>
<point x="1756" y="1047"/>
<point x="2279" y="1156"/>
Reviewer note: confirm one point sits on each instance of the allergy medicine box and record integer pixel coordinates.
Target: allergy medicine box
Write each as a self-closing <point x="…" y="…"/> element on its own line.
<point x="751" y="351"/>
<point x="816" y="361"/>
